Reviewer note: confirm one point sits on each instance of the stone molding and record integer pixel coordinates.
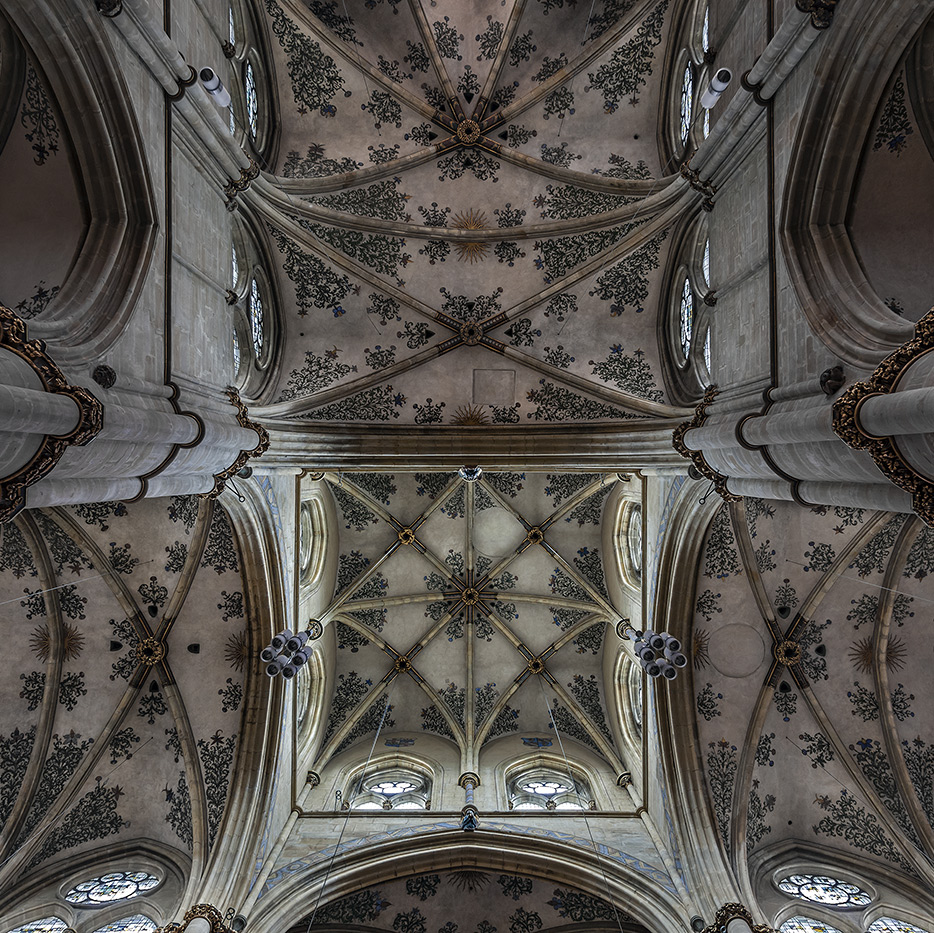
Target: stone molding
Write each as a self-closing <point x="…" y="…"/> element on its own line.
<point x="884" y="450"/>
<point x="697" y="456"/>
<point x="244" y="420"/>
<point x="730" y="912"/>
<point x="13" y="337"/>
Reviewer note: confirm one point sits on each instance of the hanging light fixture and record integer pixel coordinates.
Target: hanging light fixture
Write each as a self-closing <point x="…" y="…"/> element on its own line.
<point x="659" y="653"/>
<point x="288" y="651"/>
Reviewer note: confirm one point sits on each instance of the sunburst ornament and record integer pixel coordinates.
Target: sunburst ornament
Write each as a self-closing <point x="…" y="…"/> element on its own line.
<point x="470" y="220"/>
<point x="699" y="648"/>
<point x="861" y="654"/>
<point x="237" y="651"/>
<point x="41" y="642"/>
<point x="467" y="415"/>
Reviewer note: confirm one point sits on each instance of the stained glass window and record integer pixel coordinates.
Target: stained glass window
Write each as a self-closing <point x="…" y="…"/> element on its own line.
<point x="236" y="352"/>
<point x="891" y="925"/>
<point x="395" y="789"/>
<point x="252" y="103"/>
<point x="706" y="123"/>
<point x="635" y="694"/>
<point x="45" y="925"/>
<point x="706" y="266"/>
<point x="232" y="122"/>
<point x="547" y="790"/>
<point x="705" y="33"/>
<point x="806" y="925"/>
<point x="822" y="889"/>
<point x="707" y="350"/>
<point x="114" y="886"/>
<point x="231" y="31"/>
<point x="234" y="267"/>
<point x="634" y="535"/>
<point x="138" y="923"/>
<point x="686" y="318"/>
<point x="687" y="97"/>
<point x="256" y="318"/>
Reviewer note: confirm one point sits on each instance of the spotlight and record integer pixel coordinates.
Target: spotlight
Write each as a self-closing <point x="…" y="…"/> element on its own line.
<point x="653" y="670"/>
<point x="296" y="642"/>
<point x="213" y="85"/>
<point x="676" y="658"/>
<point x="301" y="657"/>
<point x="671" y="643"/>
<point x="645" y="653"/>
<point x="669" y="671"/>
<point x="274" y="667"/>
<point x="718" y="84"/>
<point x="654" y="641"/>
<point x="269" y="654"/>
<point x="279" y="642"/>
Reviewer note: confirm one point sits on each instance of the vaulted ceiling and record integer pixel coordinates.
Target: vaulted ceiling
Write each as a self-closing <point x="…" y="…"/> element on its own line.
<point x="123" y="679"/>
<point x="811" y="675"/>
<point x="471" y="610"/>
<point x="473" y="218"/>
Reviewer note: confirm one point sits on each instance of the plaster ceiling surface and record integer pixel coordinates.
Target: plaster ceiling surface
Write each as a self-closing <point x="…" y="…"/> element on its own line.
<point x="821" y="736"/>
<point x="471" y="610"/>
<point x="123" y="679"/>
<point x="468" y="900"/>
<point x="506" y="275"/>
<point x="897" y="166"/>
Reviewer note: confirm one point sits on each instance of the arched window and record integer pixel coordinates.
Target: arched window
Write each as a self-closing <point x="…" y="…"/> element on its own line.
<point x="706" y="263"/>
<point x="635" y="694"/>
<point x="634" y="540"/>
<point x="252" y="101"/>
<point x="231" y="28"/>
<point x="393" y="789"/>
<point x="686" y="317"/>
<point x="45" y="925"/>
<point x="707" y="350"/>
<point x="706" y="123"/>
<point x="544" y="789"/>
<point x="256" y="319"/>
<point x="234" y="267"/>
<point x="138" y="923"/>
<point x="806" y="925"/>
<point x="687" y="98"/>
<point x="236" y="351"/>
<point x="114" y="886"/>
<point x="891" y="925"/>
<point x="822" y="889"/>
<point x="705" y="31"/>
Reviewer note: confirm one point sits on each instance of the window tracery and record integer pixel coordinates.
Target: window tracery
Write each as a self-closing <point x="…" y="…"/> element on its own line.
<point x="891" y="925"/>
<point x="687" y="101"/>
<point x="686" y="317"/>
<point x="114" y="886"/>
<point x="45" y="925"/>
<point x="393" y="789"/>
<point x="806" y="925"/>
<point x="823" y="889"/>
<point x="547" y="789"/>
<point x="252" y="101"/>
<point x="138" y="923"/>
<point x="634" y="539"/>
<point x="256" y="319"/>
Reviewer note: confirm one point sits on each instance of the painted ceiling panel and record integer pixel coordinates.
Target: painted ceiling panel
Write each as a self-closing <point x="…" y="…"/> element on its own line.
<point x="483" y="901"/>
<point x="120" y="743"/>
<point x="469" y="606"/>
<point x="385" y="324"/>
<point x="833" y="753"/>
